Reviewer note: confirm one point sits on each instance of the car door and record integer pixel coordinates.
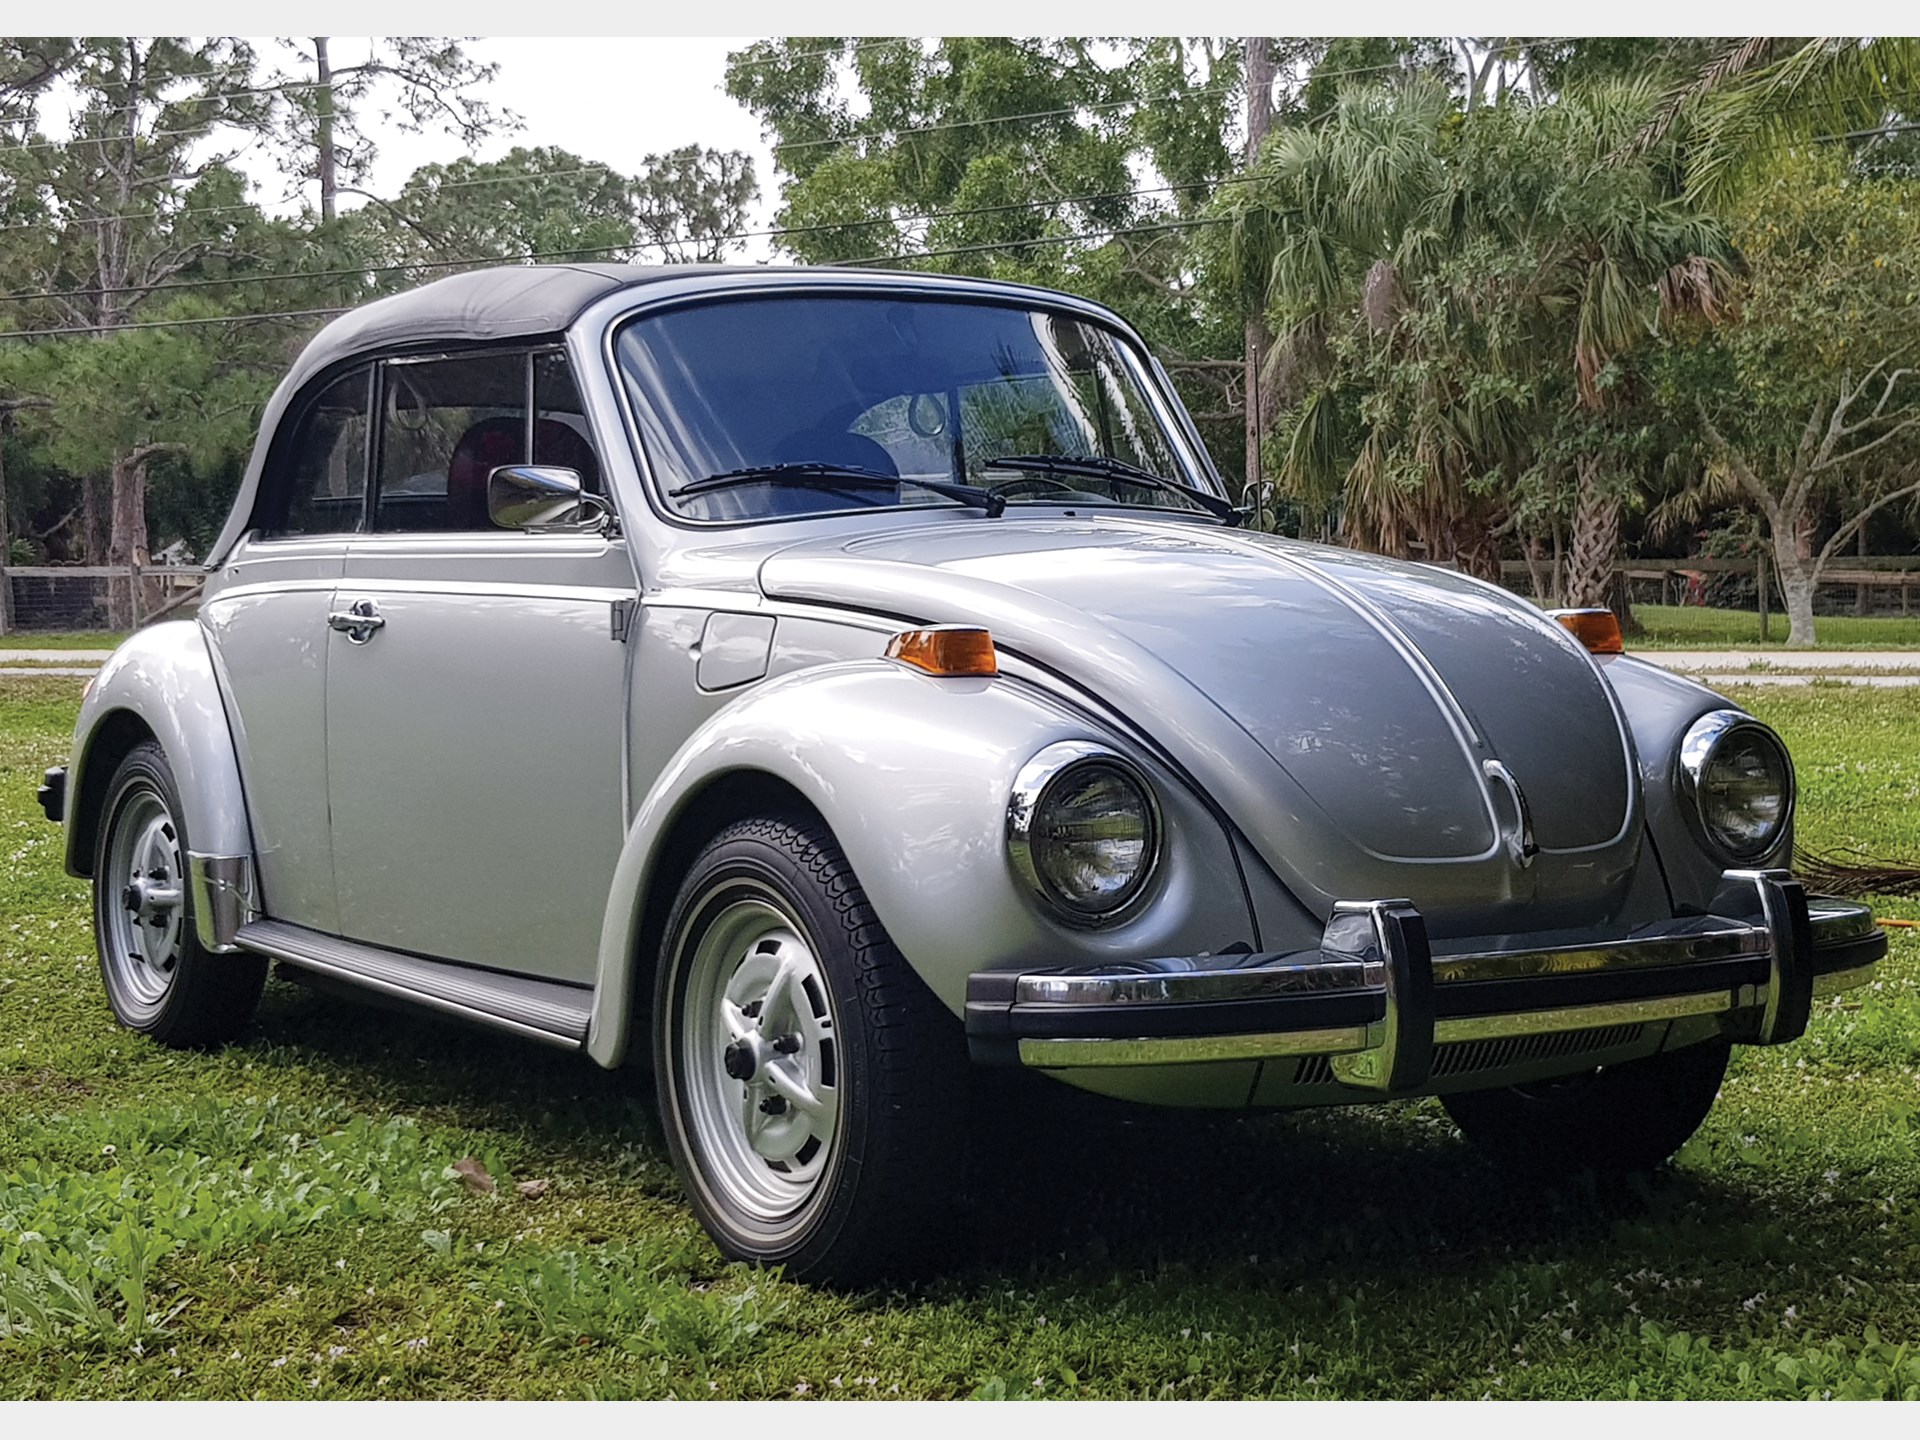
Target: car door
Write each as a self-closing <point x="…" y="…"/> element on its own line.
<point x="476" y="721"/>
<point x="265" y="619"/>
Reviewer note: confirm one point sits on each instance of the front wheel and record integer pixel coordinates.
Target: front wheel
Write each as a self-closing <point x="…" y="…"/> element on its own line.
<point x="809" y="1082"/>
<point x="160" y="980"/>
<point x="1620" y="1117"/>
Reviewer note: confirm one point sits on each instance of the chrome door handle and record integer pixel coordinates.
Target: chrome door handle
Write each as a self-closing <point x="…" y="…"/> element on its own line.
<point x="358" y="621"/>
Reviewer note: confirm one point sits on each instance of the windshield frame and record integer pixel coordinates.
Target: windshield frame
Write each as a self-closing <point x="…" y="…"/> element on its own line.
<point x="1145" y="372"/>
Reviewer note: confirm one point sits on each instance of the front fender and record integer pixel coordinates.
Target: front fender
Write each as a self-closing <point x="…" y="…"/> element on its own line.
<point x="162" y="677"/>
<point x="913" y="775"/>
<point x="1660" y="706"/>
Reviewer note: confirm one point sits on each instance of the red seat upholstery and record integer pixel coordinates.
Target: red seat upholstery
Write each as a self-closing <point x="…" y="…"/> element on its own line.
<point x="487" y="445"/>
<point x="501" y="440"/>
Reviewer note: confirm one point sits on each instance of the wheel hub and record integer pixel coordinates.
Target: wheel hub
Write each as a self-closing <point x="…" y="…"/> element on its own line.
<point x="142" y="934"/>
<point x="762" y="1062"/>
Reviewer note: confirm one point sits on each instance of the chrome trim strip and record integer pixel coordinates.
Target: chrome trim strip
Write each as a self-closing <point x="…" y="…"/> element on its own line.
<point x="537" y="1009"/>
<point x="223" y="899"/>
<point x="1835" y="921"/>
<point x="1319" y="971"/>
<point x="1838" y="982"/>
<point x="1351" y="1043"/>
<point x="1587" y="1017"/>
<point x="1731" y="942"/>
<point x="1182" y="987"/>
<point x="1189" y="1049"/>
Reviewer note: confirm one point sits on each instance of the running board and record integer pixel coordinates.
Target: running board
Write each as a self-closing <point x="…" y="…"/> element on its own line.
<point x="539" y="1009"/>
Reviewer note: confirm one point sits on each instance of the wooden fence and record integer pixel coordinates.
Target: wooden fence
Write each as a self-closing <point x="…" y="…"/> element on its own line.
<point x="1863" y="573"/>
<point x="93" y="597"/>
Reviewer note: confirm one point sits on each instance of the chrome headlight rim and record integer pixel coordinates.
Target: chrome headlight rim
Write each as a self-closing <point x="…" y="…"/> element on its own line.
<point x="1037" y="779"/>
<point x="1703" y="740"/>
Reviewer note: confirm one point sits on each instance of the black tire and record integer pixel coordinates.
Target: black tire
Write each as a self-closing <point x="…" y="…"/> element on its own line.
<point x="170" y="988"/>
<point x="868" y="1040"/>
<point x="1617" y="1118"/>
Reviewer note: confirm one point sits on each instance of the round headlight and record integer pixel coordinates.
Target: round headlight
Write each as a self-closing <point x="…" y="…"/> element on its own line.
<point x="1083" y="831"/>
<point x="1741" y="782"/>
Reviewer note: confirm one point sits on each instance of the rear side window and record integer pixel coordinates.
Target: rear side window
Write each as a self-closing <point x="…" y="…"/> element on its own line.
<point x="326" y="482"/>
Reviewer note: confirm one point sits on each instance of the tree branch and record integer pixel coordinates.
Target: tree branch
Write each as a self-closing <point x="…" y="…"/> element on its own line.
<point x="1742" y="472"/>
<point x="1854" y="454"/>
<point x="1847" y="531"/>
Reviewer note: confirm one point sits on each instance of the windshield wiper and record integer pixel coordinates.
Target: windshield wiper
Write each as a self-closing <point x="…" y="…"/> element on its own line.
<point x="825" y="475"/>
<point x="1106" y="467"/>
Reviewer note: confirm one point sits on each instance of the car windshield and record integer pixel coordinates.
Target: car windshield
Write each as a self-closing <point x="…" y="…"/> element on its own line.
<point x="757" y="408"/>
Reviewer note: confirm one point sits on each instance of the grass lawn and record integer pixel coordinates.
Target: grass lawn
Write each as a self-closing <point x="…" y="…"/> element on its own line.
<point x="1694" y="627"/>
<point x="61" y="639"/>
<point x="280" y="1219"/>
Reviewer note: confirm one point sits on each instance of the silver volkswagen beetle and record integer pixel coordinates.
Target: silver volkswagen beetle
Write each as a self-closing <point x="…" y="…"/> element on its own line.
<point x="815" y="684"/>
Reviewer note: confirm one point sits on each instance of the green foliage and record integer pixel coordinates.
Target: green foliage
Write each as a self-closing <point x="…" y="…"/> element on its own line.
<point x="1020" y="159"/>
<point x="1751" y="104"/>
<point x="555" y="205"/>
<point x="83" y="1227"/>
<point x="1459" y="301"/>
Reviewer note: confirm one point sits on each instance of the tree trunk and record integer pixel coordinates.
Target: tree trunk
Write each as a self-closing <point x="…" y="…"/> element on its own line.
<point x="127" y="542"/>
<point x="6" y="532"/>
<point x="323" y="129"/>
<point x="1260" y="76"/>
<point x="1596" y="541"/>
<point x="1796" y="575"/>
<point x="90" y="526"/>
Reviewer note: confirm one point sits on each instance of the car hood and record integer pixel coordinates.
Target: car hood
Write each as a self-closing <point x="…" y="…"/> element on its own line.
<point x="1366" y="723"/>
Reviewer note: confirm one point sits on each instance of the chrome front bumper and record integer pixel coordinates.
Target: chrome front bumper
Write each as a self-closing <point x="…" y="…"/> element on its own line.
<point x="1376" y="1001"/>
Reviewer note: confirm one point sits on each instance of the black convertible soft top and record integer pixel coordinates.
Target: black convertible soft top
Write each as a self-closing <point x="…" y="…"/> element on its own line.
<point x="505" y="302"/>
<point x="492" y="304"/>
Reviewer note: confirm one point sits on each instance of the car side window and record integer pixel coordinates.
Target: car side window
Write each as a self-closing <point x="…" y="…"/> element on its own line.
<point x="560" y="434"/>
<point x="325" y="483"/>
<point x="445" y="426"/>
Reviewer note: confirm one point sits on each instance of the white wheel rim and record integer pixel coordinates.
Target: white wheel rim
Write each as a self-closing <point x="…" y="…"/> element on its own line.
<point x="759" y="1062"/>
<point x="143" y="898"/>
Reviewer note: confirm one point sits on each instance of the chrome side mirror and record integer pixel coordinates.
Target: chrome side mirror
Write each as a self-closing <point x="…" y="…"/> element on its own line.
<point x="538" y="497"/>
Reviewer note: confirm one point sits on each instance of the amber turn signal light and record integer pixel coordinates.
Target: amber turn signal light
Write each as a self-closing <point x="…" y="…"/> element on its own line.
<point x="1598" y="630"/>
<point x="946" y="650"/>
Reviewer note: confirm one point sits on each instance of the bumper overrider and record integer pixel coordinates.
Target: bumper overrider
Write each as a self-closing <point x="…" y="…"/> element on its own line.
<point x="1376" y="1001"/>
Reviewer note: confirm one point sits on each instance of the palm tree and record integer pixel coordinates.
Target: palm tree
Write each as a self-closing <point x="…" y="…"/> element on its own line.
<point x="1763" y="95"/>
<point x="1454" y="296"/>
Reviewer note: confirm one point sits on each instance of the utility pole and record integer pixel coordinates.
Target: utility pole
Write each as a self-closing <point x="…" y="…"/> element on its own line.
<point x="323" y="127"/>
<point x="1260" y="75"/>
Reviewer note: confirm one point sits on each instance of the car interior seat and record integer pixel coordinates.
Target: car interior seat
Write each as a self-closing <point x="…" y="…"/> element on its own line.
<point x="500" y="440"/>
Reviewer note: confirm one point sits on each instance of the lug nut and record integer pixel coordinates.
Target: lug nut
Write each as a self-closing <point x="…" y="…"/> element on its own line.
<point x="786" y="1044"/>
<point x="774" y="1105"/>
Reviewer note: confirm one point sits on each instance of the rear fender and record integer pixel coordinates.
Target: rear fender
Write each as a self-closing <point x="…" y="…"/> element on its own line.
<point x="161" y="682"/>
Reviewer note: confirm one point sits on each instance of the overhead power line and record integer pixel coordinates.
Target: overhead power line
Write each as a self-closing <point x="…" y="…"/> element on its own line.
<point x="775" y="232"/>
<point x="984" y="248"/>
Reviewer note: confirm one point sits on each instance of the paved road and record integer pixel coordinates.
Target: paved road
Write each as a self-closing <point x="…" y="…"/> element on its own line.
<point x="1880" y="669"/>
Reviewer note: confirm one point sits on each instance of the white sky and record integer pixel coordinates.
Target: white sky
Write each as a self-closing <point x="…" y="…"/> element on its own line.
<point x="612" y="100"/>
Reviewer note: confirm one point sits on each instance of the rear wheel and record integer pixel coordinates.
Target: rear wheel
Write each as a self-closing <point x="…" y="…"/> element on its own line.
<point x="1620" y="1117"/>
<point x="811" y="1087"/>
<point x="160" y="981"/>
